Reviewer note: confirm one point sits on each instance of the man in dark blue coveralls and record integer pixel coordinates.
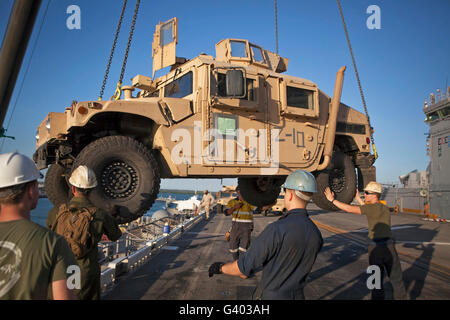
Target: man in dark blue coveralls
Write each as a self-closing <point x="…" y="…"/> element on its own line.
<point x="286" y="250"/>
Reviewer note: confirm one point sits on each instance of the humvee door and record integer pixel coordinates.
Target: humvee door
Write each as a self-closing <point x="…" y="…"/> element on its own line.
<point x="164" y="44"/>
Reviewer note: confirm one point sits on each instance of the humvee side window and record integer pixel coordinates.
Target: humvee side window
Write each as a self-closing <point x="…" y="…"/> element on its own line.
<point x="257" y="54"/>
<point x="238" y="49"/>
<point x="179" y="88"/>
<point x="222" y="92"/>
<point x="300" y="98"/>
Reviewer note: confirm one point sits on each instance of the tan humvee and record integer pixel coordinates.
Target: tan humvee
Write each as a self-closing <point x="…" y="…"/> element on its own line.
<point x="223" y="196"/>
<point x="232" y="115"/>
<point x="279" y="205"/>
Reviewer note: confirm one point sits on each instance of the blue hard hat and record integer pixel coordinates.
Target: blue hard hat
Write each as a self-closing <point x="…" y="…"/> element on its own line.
<point x="301" y="180"/>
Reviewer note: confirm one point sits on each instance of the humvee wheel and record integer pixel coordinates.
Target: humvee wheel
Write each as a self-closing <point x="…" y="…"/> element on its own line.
<point x="340" y="176"/>
<point x="127" y="174"/>
<point x="56" y="187"/>
<point x="260" y="191"/>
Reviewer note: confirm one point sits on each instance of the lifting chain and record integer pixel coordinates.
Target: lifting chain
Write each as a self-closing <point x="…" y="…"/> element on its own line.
<point x="357" y="79"/>
<point x="118" y="92"/>
<point x="112" y="50"/>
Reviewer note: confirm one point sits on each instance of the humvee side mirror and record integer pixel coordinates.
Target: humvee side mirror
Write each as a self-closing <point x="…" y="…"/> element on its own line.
<point x="235" y="83"/>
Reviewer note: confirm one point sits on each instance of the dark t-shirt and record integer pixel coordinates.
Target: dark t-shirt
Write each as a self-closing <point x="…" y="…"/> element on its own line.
<point x="379" y="220"/>
<point x="31" y="258"/>
<point x="286" y="251"/>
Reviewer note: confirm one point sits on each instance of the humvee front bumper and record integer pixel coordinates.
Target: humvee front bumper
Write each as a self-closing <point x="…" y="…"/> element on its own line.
<point x="50" y="152"/>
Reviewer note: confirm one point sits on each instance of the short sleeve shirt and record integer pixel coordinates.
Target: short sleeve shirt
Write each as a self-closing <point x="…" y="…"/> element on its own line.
<point x="379" y="220"/>
<point x="31" y="258"/>
<point x="244" y="213"/>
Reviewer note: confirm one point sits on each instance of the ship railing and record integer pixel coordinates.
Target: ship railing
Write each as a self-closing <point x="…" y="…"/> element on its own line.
<point x="134" y="249"/>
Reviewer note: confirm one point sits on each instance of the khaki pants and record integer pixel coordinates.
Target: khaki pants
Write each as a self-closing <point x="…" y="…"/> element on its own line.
<point x="207" y="209"/>
<point x="207" y="212"/>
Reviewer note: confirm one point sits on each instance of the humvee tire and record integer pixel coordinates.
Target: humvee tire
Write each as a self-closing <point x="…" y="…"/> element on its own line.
<point x="127" y="174"/>
<point x="260" y="192"/>
<point x="340" y="176"/>
<point x="55" y="184"/>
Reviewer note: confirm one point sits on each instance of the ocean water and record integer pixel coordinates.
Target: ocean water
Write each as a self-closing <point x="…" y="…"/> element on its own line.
<point x="39" y="215"/>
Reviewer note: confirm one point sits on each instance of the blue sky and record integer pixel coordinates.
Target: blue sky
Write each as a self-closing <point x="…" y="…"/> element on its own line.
<point x="399" y="64"/>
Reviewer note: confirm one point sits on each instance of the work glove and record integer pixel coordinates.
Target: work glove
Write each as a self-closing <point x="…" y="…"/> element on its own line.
<point x="215" y="268"/>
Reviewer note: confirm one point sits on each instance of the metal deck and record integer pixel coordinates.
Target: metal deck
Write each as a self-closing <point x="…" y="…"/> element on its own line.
<point x="179" y="271"/>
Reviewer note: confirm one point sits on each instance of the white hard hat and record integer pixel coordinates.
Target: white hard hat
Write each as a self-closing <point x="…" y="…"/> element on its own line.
<point x="83" y="177"/>
<point x="373" y="186"/>
<point x="15" y="169"/>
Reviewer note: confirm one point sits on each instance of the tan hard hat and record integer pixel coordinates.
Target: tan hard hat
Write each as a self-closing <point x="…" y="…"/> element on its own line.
<point x="375" y="187"/>
<point x="83" y="177"/>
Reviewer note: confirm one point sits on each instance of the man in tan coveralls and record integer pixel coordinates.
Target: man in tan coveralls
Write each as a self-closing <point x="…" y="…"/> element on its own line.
<point x="207" y="202"/>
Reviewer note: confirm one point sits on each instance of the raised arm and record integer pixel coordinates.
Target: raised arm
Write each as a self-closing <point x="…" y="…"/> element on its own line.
<point x="343" y="206"/>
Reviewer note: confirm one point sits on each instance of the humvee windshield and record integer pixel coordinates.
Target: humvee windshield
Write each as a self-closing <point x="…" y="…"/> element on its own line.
<point x="222" y="90"/>
<point x="257" y="54"/>
<point x="238" y="49"/>
<point x="180" y="87"/>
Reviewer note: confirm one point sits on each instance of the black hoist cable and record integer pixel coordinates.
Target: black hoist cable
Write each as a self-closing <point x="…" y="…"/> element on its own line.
<point x="357" y="79"/>
<point x="108" y="65"/>
<point x="118" y="91"/>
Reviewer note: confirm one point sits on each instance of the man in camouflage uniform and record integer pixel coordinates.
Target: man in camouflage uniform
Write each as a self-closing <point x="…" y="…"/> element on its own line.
<point x="83" y="181"/>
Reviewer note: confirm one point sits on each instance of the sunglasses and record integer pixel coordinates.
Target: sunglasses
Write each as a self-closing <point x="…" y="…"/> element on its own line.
<point x="368" y="193"/>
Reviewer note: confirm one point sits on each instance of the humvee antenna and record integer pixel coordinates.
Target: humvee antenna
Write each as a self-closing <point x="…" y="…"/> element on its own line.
<point x="357" y="78"/>
<point x="276" y="26"/>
